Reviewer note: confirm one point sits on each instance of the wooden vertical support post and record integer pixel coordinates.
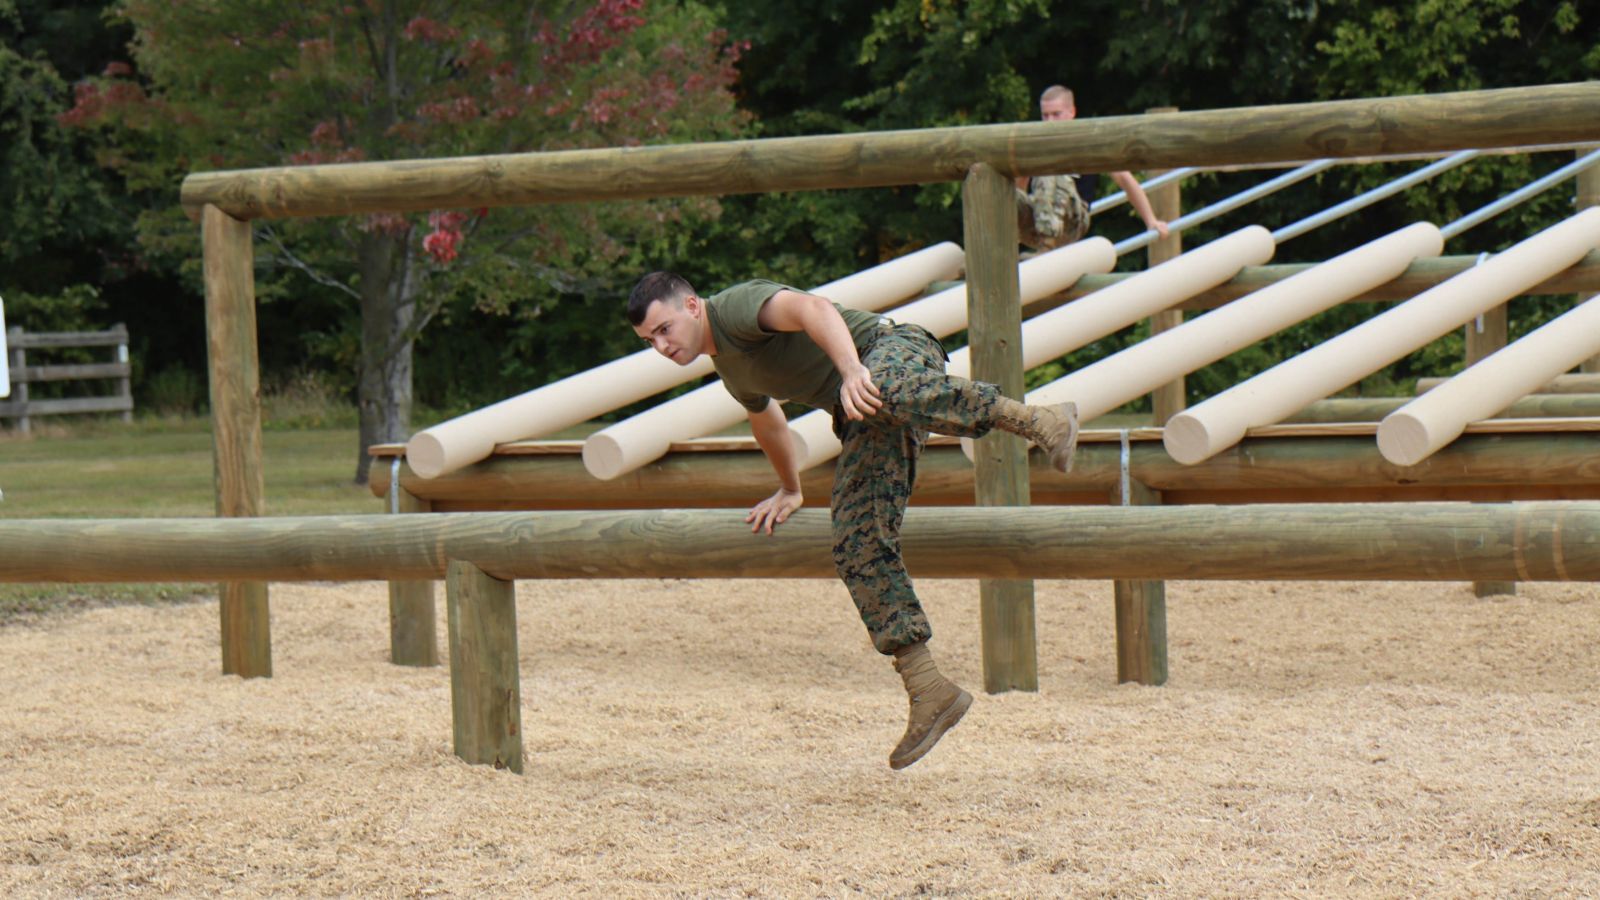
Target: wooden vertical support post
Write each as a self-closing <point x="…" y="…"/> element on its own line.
<point x="485" y="685"/>
<point x="413" y="636"/>
<point x="1141" y="609"/>
<point x="1486" y="335"/>
<point x="125" y="383"/>
<point x="994" y="309"/>
<point x="19" y="382"/>
<point x="1588" y="195"/>
<point x="1169" y="399"/>
<point x="236" y="425"/>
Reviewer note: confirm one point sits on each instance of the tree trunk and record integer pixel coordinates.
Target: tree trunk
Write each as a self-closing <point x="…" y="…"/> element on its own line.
<point x="388" y="311"/>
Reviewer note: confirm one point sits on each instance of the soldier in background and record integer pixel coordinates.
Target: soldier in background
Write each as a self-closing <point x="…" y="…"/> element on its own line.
<point x="1053" y="210"/>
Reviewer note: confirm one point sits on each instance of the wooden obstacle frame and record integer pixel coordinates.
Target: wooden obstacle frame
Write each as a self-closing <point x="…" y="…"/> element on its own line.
<point x="481" y="555"/>
<point x="986" y="159"/>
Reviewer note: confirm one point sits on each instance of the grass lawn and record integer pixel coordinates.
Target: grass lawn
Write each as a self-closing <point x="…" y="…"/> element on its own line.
<point x="158" y="467"/>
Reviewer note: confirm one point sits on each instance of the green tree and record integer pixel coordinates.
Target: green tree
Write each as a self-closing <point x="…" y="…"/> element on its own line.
<point x="246" y="83"/>
<point x="53" y="201"/>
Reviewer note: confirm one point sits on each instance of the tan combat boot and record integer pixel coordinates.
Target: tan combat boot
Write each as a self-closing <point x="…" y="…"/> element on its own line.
<point x="937" y="704"/>
<point x="1053" y="428"/>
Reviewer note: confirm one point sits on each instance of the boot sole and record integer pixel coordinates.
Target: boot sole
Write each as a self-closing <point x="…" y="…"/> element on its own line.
<point x="946" y="721"/>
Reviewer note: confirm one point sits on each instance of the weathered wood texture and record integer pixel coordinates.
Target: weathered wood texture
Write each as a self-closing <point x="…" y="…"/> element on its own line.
<point x="1418" y="277"/>
<point x="413" y="632"/>
<point x="1337" y="129"/>
<point x="1486" y="334"/>
<point x="1482" y="338"/>
<point x="485" y="682"/>
<point x="1373" y="409"/>
<point x="1535" y="541"/>
<point x="994" y="314"/>
<point x="1166" y="202"/>
<point x="1279" y="469"/>
<point x="1570" y="383"/>
<point x="21" y="407"/>
<point x="1141" y="612"/>
<point x="1588" y="194"/>
<point x="236" y="425"/>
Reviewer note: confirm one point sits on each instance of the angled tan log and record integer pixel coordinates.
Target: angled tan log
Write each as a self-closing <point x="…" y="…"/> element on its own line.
<point x="1571" y="383"/>
<point x="1534" y="541"/>
<point x="637" y="440"/>
<point x="466" y="439"/>
<point x="1219" y="422"/>
<point x="631" y="443"/>
<point x="1420" y="428"/>
<point x="1047" y="336"/>
<point x="1063" y="330"/>
<point x="1418" y="277"/>
<point x="1107" y="384"/>
<point x="1549" y="114"/>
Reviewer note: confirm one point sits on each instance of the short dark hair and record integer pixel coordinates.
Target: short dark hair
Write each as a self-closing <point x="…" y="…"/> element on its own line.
<point x="663" y="286"/>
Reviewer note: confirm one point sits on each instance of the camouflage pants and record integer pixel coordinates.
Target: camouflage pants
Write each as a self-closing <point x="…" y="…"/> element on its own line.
<point x="1051" y="213"/>
<point x="878" y="465"/>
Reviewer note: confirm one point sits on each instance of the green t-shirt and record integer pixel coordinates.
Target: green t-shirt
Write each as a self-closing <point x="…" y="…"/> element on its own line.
<point x="756" y="364"/>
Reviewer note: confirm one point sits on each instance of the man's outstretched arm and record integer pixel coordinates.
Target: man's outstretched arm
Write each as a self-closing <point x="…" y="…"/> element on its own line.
<point x="1140" y="201"/>
<point x="771" y="430"/>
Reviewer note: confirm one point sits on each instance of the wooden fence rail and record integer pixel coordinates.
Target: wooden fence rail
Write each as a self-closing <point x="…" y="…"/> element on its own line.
<point x="22" y="408"/>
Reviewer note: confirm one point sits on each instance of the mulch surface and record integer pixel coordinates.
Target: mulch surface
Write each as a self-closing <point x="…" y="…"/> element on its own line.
<point x="729" y="738"/>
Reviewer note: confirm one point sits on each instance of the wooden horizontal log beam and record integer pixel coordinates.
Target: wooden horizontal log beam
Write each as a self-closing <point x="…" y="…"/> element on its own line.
<point x="70" y="372"/>
<point x="1570" y="383"/>
<point x="1373" y="409"/>
<point x="46" y="340"/>
<point x="70" y="406"/>
<point x="1279" y="469"/>
<point x="1550" y="114"/>
<point x="1418" y="277"/>
<point x="1331" y="542"/>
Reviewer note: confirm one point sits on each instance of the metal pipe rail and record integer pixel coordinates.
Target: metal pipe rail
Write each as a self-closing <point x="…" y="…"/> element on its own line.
<point x="1534" y="541"/>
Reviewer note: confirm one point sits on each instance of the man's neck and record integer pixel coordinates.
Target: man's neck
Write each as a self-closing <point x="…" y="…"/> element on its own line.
<point x="711" y="338"/>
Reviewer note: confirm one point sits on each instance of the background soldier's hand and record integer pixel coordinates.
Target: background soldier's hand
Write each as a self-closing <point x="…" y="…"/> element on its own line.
<point x="858" y="396"/>
<point x="774" y="510"/>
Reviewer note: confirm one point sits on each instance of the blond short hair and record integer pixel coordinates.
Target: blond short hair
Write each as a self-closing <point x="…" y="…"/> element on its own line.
<point x="1057" y="92"/>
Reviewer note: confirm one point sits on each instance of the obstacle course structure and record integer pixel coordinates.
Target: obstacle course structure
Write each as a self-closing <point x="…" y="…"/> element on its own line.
<point x="1002" y="545"/>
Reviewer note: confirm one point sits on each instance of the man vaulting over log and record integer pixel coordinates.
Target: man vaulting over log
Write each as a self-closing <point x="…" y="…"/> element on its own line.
<point x="886" y="387"/>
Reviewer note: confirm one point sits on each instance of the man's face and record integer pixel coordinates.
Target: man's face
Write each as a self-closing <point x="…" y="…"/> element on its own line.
<point x="674" y="330"/>
<point x="1057" y="109"/>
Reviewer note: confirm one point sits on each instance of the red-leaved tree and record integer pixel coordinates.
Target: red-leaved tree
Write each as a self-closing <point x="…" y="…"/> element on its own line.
<point x="245" y="83"/>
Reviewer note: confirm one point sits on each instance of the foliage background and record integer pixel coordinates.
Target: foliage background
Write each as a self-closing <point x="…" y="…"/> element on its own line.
<point x="78" y="247"/>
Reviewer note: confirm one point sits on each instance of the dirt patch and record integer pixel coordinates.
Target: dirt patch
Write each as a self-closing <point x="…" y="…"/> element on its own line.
<point x="729" y="739"/>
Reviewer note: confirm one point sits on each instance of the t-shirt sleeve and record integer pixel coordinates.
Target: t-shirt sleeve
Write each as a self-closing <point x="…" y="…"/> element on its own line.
<point x="738" y="309"/>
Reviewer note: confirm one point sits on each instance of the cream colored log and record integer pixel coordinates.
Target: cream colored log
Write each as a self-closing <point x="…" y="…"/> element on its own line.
<point x="1105" y="385"/>
<point x="467" y="439"/>
<point x="645" y="438"/>
<point x="1104" y="312"/>
<point x="1206" y="429"/>
<point x="1424" y="426"/>
<point x="1039" y="277"/>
